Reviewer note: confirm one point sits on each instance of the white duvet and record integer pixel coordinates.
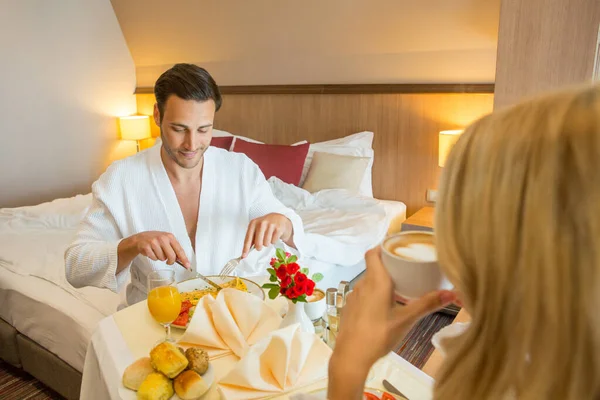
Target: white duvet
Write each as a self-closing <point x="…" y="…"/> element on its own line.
<point x="33" y="241"/>
<point x="339" y="225"/>
<point x="339" y="228"/>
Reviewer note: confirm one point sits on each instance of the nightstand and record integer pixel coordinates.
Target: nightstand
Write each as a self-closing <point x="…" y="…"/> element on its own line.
<point x="422" y="220"/>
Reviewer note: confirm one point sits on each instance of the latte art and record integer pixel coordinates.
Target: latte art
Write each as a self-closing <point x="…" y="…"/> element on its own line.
<point x="410" y="257"/>
<point x="416" y="252"/>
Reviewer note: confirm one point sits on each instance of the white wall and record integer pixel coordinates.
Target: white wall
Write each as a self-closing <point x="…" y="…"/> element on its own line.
<point x="65" y="74"/>
<point x="265" y="42"/>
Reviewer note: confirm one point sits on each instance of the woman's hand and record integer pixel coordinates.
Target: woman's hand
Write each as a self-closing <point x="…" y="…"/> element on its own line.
<point x="372" y="325"/>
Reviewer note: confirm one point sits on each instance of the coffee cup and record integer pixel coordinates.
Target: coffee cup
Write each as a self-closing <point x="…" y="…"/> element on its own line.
<point x="315" y="305"/>
<point x="411" y="260"/>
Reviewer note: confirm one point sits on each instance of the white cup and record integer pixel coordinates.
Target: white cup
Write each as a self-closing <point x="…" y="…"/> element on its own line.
<point x="315" y="309"/>
<point x="414" y="269"/>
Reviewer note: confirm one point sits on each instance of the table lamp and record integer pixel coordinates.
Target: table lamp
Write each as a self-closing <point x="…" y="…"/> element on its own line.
<point x="447" y="139"/>
<point x="135" y="127"/>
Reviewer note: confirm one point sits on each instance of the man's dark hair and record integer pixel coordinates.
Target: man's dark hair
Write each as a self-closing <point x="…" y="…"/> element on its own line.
<point x="186" y="81"/>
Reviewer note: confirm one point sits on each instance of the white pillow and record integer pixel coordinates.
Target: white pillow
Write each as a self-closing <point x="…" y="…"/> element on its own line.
<point x="219" y="133"/>
<point x="358" y="145"/>
<point x="58" y="213"/>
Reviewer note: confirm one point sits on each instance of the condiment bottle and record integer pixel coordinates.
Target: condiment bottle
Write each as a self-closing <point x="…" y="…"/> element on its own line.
<point x="342" y="293"/>
<point x="332" y="316"/>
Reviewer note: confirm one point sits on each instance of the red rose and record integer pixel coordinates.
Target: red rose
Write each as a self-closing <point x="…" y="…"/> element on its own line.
<point x="300" y="278"/>
<point x="301" y="288"/>
<point x="293" y="268"/>
<point x="273" y="261"/>
<point x="286" y="281"/>
<point x="292" y="292"/>
<point x="281" y="272"/>
<point x="310" y="287"/>
<point x="287" y="254"/>
<point x="283" y="291"/>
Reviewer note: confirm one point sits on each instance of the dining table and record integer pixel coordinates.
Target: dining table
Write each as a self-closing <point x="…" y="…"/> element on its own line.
<point x="131" y="333"/>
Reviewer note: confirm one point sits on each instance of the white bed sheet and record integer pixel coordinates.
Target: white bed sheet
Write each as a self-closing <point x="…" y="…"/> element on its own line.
<point x="333" y="274"/>
<point x="395" y="212"/>
<point x="51" y="316"/>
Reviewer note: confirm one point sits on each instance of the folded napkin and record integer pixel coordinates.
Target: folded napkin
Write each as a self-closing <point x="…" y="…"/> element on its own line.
<point x="286" y="360"/>
<point x="231" y="323"/>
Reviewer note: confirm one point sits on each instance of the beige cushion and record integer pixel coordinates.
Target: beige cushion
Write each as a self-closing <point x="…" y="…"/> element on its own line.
<point x="335" y="171"/>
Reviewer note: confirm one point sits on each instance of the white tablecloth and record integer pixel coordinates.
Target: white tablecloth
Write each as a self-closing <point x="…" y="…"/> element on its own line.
<point x="131" y="333"/>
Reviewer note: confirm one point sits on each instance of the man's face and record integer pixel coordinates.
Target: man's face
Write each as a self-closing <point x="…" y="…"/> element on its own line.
<point x="186" y="129"/>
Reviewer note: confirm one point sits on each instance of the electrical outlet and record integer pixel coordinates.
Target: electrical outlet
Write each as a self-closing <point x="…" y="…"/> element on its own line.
<point x="431" y="195"/>
<point x="596" y="71"/>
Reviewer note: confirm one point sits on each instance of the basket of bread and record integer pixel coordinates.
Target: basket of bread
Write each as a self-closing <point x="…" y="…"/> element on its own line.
<point x="169" y="370"/>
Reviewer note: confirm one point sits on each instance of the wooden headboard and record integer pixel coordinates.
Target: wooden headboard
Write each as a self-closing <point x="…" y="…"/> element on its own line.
<point x="406" y="120"/>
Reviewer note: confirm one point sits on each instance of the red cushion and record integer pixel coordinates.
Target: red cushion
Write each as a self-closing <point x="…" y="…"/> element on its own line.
<point x="284" y="162"/>
<point x="223" y="142"/>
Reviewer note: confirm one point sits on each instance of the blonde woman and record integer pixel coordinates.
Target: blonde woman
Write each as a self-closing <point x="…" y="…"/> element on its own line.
<point x="518" y="234"/>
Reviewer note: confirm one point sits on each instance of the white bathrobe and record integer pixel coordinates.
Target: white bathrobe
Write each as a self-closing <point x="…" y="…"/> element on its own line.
<point x="135" y="195"/>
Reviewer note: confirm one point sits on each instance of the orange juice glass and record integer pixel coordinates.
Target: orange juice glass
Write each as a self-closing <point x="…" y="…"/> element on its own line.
<point x="164" y="303"/>
<point x="164" y="300"/>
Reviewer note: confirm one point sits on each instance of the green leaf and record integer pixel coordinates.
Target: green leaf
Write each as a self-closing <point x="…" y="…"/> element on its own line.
<point x="304" y="271"/>
<point x="294" y="300"/>
<point x="302" y="298"/>
<point x="318" y="277"/>
<point x="273" y="278"/>
<point x="273" y="293"/>
<point x="280" y="254"/>
<point x="292" y="259"/>
<point x="272" y="272"/>
<point x="270" y="286"/>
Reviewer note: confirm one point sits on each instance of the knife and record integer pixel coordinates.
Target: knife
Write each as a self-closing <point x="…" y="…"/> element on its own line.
<point x="199" y="275"/>
<point x="391" y="388"/>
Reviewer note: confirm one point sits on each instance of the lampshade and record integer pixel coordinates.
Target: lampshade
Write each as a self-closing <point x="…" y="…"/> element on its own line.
<point x="447" y="141"/>
<point x="135" y="127"/>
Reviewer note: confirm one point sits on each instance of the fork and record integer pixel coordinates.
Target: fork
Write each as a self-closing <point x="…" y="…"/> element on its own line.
<point x="232" y="265"/>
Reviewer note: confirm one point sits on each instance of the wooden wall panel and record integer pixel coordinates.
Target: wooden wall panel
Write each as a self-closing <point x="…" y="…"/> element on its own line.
<point x="406" y="129"/>
<point x="544" y="44"/>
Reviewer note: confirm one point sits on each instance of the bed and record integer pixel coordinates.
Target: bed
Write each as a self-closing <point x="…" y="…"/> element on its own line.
<point x="46" y="324"/>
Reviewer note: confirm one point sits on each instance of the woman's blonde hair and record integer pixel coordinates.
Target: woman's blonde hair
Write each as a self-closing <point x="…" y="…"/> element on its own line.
<point x="518" y="233"/>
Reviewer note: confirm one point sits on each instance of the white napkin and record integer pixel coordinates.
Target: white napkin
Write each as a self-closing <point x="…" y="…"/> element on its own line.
<point x="284" y="361"/>
<point x="450" y="331"/>
<point x="231" y="323"/>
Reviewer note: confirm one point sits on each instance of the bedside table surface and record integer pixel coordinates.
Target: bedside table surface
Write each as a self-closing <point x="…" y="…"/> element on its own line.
<point x="421" y="219"/>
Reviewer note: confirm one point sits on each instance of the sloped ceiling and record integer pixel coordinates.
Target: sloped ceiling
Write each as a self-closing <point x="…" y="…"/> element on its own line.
<point x="262" y="42"/>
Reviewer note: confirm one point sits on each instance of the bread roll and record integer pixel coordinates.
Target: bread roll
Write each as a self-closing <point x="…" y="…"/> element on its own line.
<point x="167" y="358"/>
<point x="198" y="360"/>
<point x="155" y="387"/>
<point x="189" y="385"/>
<point x="136" y="373"/>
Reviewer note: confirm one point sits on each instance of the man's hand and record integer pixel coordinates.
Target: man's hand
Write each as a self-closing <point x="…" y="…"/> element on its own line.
<point x="155" y="245"/>
<point x="266" y="230"/>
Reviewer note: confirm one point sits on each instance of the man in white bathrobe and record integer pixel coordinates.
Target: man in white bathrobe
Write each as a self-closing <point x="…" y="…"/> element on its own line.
<point x="181" y="200"/>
